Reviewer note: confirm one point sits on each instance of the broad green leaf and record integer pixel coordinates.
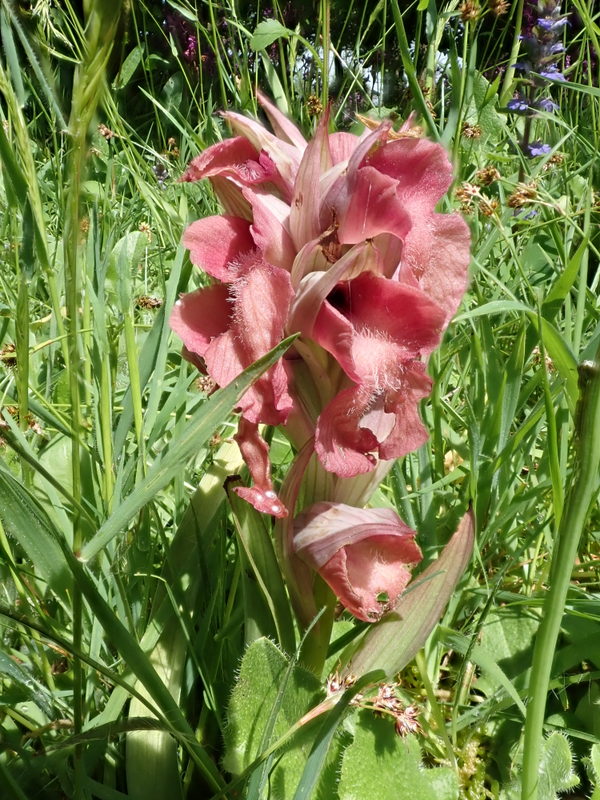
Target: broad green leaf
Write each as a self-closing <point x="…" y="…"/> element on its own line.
<point x="200" y="428"/>
<point x="270" y="696"/>
<point x="380" y="765"/>
<point x="268" y="32"/>
<point x="393" y="642"/>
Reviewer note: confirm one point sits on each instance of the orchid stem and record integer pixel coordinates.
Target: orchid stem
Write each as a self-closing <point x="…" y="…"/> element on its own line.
<point x="583" y="490"/>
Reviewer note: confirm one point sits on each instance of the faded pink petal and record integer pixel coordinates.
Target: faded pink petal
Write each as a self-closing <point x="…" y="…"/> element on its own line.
<point x="342" y="145"/>
<point x="285" y="156"/>
<point x="270" y="230"/>
<point x="201" y="316"/>
<point x="222" y="246"/>
<point x="255" y="453"/>
<point x="232" y="164"/>
<point x="363" y="554"/>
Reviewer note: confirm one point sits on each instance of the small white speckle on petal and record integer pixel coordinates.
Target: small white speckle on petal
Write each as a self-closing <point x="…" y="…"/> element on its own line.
<point x="270" y="494"/>
<point x="275" y="508"/>
<point x="178" y="303"/>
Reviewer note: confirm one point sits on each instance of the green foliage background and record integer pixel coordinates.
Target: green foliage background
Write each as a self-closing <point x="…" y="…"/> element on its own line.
<point x="126" y="602"/>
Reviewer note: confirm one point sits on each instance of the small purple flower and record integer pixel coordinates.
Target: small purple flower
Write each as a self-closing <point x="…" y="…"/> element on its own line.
<point x="545" y="104"/>
<point x="552" y="73"/>
<point x="518" y="105"/>
<point x="550" y="24"/>
<point x="534" y="149"/>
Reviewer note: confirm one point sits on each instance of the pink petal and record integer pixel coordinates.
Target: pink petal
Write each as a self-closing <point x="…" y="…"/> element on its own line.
<point x="342" y="445"/>
<point x="361" y="553"/>
<point x="371" y="325"/>
<point x="221" y="245"/>
<point x="421" y="167"/>
<point x="320" y="279"/>
<point x="255" y="453"/>
<point x="437" y="254"/>
<point x="304" y="214"/>
<point x="270" y="229"/>
<point x="373" y="208"/>
<point x="286" y="157"/>
<point x="200" y="316"/>
<point x="342" y="145"/>
<point x="230" y="165"/>
<point x="259" y="311"/>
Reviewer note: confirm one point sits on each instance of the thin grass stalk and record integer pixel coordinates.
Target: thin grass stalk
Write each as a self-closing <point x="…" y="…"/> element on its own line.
<point x="509" y="75"/>
<point x="102" y="20"/>
<point x="410" y="73"/>
<point x="583" y="491"/>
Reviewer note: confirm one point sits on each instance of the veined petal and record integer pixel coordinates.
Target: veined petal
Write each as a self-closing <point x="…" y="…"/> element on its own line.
<point x="285" y="156"/>
<point x="373" y="208"/>
<point x="421" y="167"/>
<point x="255" y="453"/>
<point x="232" y="164"/>
<point x="365" y="555"/>
<point x="342" y="145"/>
<point x="304" y="212"/>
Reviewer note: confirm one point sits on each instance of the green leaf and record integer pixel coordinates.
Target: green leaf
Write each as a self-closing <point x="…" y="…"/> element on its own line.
<point x="268" y="32"/>
<point x="257" y="546"/>
<point x="270" y="696"/>
<point x="380" y="765"/>
<point x="393" y="642"/>
<point x="27" y="523"/>
<point x="128" y="67"/>
<point x="199" y="429"/>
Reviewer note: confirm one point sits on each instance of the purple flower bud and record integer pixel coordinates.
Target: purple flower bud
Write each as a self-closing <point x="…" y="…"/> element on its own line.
<point x="535" y="149"/>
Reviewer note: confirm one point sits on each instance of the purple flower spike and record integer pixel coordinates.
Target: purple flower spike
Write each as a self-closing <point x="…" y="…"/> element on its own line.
<point x="535" y="149"/>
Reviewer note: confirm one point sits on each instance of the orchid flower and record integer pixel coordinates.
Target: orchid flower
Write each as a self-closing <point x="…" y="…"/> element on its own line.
<point x="336" y="239"/>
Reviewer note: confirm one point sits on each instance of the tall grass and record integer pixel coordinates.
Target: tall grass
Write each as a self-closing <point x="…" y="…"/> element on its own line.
<point x="126" y="592"/>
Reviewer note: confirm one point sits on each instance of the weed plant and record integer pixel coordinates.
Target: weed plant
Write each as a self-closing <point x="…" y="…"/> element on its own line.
<point x="124" y="590"/>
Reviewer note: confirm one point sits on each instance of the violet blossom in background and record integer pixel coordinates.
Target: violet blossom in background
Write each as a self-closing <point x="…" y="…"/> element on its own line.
<point x="336" y="239"/>
<point x="543" y="26"/>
